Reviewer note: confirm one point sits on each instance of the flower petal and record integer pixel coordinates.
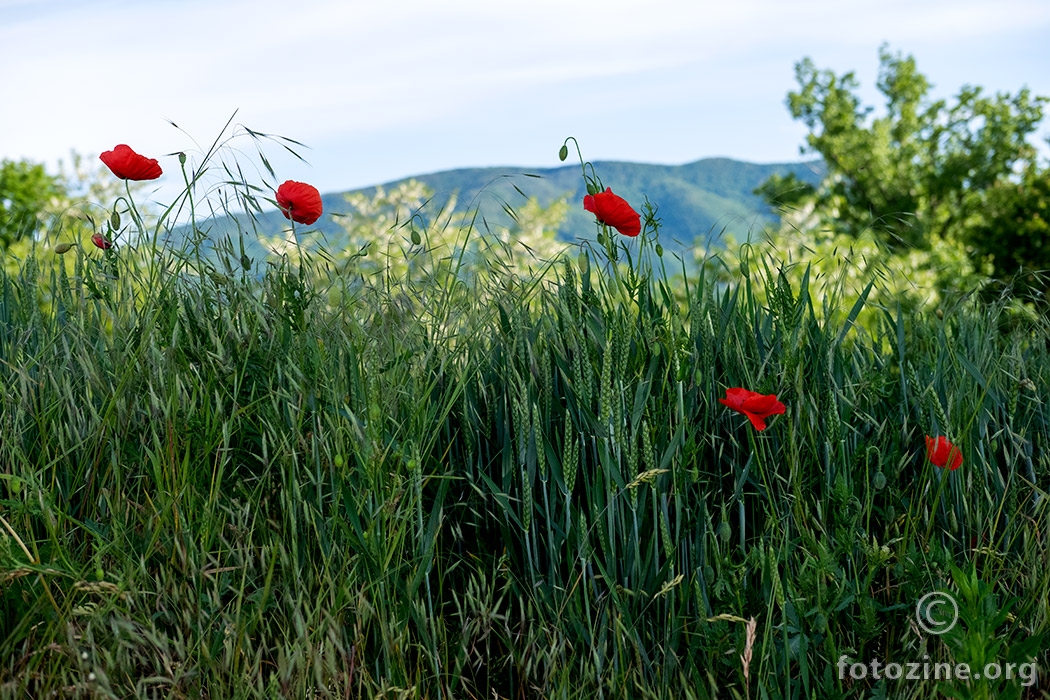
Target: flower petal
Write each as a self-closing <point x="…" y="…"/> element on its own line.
<point x="613" y="210"/>
<point x="767" y="405"/>
<point x="736" y="397"/>
<point x="126" y="164"/>
<point x="943" y="453"/>
<point x="757" y="407"/>
<point x="299" y="202"/>
<point x="757" y="420"/>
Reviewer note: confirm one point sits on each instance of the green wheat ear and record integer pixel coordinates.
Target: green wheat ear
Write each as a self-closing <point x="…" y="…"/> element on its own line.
<point x="526" y="500"/>
<point x="546" y="380"/>
<point x="648" y="456"/>
<point x="521" y="419"/>
<point x="537" y="435"/>
<point x="665" y="535"/>
<point x="586" y="546"/>
<point x="632" y="462"/>
<point x="582" y="377"/>
<point x="570" y="460"/>
<point x="605" y="399"/>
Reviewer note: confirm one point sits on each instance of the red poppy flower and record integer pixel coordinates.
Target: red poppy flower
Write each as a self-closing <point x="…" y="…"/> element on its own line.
<point x="943" y="453"/>
<point x="128" y="165"/>
<point x="757" y="407"/>
<point x="299" y="202"/>
<point x="101" y="241"/>
<point x="613" y="210"/>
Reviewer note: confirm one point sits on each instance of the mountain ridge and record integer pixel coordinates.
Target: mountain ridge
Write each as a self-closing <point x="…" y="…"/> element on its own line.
<point x="716" y="188"/>
<point x="698" y="203"/>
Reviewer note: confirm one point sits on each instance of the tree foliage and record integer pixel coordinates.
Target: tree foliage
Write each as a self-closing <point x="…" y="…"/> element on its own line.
<point x="40" y="207"/>
<point x="1016" y="234"/>
<point x="28" y="194"/>
<point x="923" y="172"/>
<point x="922" y="169"/>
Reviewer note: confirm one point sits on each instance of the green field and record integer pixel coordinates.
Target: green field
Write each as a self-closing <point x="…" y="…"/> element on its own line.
<point x="456" y="478"/>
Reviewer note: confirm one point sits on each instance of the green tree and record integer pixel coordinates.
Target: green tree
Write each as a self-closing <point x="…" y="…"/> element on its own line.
<point x="1015" y="236"/>
<point x="921" y="171"/>
<point x="28" y="196"/>
<point x="931" y="197"/>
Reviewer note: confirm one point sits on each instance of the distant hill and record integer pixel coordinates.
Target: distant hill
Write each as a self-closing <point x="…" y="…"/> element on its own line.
<point x="697" y="202"/>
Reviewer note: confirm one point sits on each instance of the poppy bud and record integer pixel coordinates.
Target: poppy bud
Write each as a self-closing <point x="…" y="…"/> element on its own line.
<point x="563" y="152"/>
<point x="114" y="220"/>
<point x="101" y="241"/>
<point x="416" y="240"/>
<point x="182" y="158"/>
<point x="724" y="531"/>
<point x="879" y="481"/>
<point x="63" y="248"/>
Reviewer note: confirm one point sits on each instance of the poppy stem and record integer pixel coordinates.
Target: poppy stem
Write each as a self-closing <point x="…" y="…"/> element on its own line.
<point x="738" y="494"/>
<point x="132" y="209"/>
<point x="763" y="474"/>
<point x="579" y="153"/>
<point x="611" y="257"/>
<point x="942" y="477"/>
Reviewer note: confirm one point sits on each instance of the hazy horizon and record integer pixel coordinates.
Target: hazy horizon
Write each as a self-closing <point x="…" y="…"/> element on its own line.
<point x="383" y="93"/>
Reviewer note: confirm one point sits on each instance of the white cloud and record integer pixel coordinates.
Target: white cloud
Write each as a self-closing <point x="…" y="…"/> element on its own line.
<point x="89" y="75"/>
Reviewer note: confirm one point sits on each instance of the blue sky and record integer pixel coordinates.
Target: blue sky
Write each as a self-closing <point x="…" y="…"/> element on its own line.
<point x="384" y="90"/>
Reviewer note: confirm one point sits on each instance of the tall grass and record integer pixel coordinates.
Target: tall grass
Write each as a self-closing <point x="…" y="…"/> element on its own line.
<point x="223" y="484"/>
